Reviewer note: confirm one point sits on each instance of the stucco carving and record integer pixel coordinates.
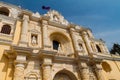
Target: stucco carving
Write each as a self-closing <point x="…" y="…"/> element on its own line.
<point x="62" y="76"/>
<point x="34" y="40"/>
<point x="14" y="12"/>
<point x="57" y="17"/>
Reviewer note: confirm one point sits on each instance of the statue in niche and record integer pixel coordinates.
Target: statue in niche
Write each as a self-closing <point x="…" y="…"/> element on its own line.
<point x="60" y="52"/>
<point x="80" y="47"/>
<point x="55" y="18"/>
<point x="34" y="40"/>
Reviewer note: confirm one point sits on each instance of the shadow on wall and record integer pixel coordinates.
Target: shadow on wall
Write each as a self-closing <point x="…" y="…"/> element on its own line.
<point x="106" y="67"/>
<point x="5" y="66"/>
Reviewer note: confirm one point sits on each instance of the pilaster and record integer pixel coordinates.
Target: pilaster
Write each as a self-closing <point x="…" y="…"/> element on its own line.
<point x="74" y="38"/>
<point x="24" y="37"/>
<point x="45" y="34"/>
<point x="47" y="64"/>
<point x="87" y="42"/>
<point x="98" y="70"/>
<point x="20" y="63"/>
<point x="84" y="71"/>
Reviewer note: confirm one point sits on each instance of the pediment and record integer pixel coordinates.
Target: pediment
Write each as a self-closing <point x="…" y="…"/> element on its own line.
<point x="56" y="17"/>
<point x="34" y="31"/>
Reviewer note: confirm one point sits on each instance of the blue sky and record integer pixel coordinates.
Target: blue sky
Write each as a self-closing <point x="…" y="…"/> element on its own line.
<point x="102" y="16"/>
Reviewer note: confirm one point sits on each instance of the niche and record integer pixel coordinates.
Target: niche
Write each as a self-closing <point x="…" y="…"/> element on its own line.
<point x="34" y="39"/>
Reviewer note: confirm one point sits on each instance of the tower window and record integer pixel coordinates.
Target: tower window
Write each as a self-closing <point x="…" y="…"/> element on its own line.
<point x="55" y="45"/>
<point x="6" y="29"/>
<point x="4" y="11"/>
<point x="98" y="48"/>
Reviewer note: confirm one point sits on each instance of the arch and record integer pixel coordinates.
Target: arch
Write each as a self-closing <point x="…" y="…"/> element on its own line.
<point x="58" y="35"/>
<point x="61" y="40"/>
<point x="6" y="29"/>
<point x="64" y="75"/>
<point x="32" y="76"/>
<point x="98" y="48"/>
<point x="4" y="11"/>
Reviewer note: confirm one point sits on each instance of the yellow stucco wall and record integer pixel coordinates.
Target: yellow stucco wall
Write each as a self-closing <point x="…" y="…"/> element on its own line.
<point x="3" y="62"/>
<point x="114" y="73"/>
<point x="17" y="33"/>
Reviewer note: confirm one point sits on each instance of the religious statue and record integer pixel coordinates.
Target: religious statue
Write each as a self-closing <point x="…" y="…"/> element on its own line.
<point x="60" y="52"/>
<point x="34" y="40"/>
<point x="80" y="47"/>
<point x="55" y="18"/>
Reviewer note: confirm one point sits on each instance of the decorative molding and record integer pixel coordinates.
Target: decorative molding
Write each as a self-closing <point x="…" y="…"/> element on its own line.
<point x="34" y="31"/>
<point x="53" y="23"/>
<point x="64" y="59"/>
<point x="23" y="50"/>
<point x="5" y="41"/>
<point x="105" y="57"/>
<point x="7" y="19"/>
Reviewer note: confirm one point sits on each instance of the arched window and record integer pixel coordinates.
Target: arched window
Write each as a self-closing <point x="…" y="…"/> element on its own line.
<point x="6" y="29"/>
<point x="4" y="11"/>
<point x="55" y="45"/>
<point x="98" y="48"/>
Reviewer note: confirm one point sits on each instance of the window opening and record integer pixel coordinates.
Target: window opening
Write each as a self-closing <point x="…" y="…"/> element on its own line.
<point x="6" y="29"/>
<point x="98" y="48"/>
<point x="4" y="11"/>
<point x="55" y="45"/>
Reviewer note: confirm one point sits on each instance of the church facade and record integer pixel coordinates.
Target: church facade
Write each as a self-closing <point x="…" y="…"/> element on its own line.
<point x="48" y="47"/>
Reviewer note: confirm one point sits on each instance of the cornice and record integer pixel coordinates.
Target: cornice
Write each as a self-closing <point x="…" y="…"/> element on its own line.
<point x="22" y="50"/>
<point x="97" y="40"/>
<point x="64" y="59"/>
<point x="55" y="24"/>
<point x="5" y="41"/>
<point x="48" y="53"/>
<point x="9" y="19"/>
<point x="45" y="18"/>
<point x="106" y="57"/>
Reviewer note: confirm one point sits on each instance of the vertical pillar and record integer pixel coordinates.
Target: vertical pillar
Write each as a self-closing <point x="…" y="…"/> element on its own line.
<point x="19" y="71"/>
<point x="84" y="71"/>
<point x="87" y="42"/>
<point x="47" y="69"/>
<point x="98" y="70"/>
<point x="105" y="48"/>
<point x="74" y="39"/>
<point x="90" y="33"/>
<point x="24" y="37"/>
<point x="45" y="35"/>
<point x="19" y="67"/>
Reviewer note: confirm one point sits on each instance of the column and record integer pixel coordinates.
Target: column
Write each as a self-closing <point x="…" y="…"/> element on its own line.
<point x="90" y="33"/>
<point x="19" y="71"/>
<point x="84" y="71"/>
<point x="74" y="39"/>
<point x="47" y="69"/>
<point x="87" y="42"/>
<point x="45" y="35"/>
<point x="20" y="63"/>
<point x="98" y="70"/>
<point x="24" y="37"/>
